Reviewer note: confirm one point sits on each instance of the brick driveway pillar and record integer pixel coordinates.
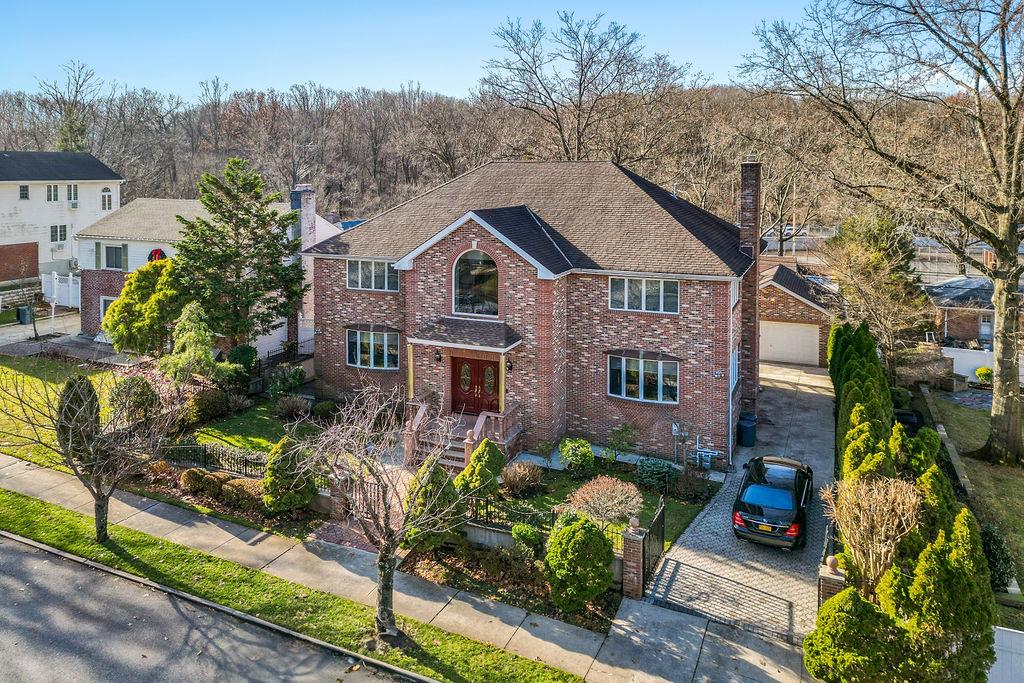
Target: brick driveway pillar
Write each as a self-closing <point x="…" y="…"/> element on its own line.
<point x="633" y="560"/>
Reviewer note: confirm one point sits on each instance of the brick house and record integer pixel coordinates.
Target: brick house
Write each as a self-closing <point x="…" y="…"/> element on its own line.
<point x="146" y="230"/>
<point x="964" y="309"/>
<point x="539" y="299"/>
<point x="794" y="315"/>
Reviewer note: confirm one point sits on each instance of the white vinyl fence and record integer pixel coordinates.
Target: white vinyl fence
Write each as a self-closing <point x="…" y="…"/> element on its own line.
<point x="63" y="290"/>
<point x="966" y="361"/>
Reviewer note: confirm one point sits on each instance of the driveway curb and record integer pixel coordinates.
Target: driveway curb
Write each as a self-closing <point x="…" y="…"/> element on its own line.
<point x="376" y="663"/>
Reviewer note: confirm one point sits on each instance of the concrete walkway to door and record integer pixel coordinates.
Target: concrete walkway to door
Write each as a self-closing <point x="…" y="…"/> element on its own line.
<point x="709" y="572"/>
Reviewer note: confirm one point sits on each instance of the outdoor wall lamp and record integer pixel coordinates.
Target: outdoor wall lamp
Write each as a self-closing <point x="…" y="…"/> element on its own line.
<point x="437" y="355"/>
<point x="508" y="365"/>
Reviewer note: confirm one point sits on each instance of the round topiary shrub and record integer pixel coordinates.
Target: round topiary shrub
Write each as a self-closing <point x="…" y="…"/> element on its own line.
<point x="1000" y="561"/>
<point x="577" y="455"/>
<point x="133" y="399"/>
<point x="244" y="495"/>
<point x="984" y="375"/>
<point x="191" y="480"/>
<point x="607" y="500"/>
<point x="577" y="564"/>
<point x="213" y="482"/>
<point x="324" y="410"/>
<point x="528" y="535"/>
<point x="286" y="484"/>
<point x="656" y="475"/>
<point x="206" y="405"/>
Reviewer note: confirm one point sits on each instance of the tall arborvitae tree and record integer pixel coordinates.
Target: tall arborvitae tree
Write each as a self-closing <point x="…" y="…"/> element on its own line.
<point x="240" y="263"/>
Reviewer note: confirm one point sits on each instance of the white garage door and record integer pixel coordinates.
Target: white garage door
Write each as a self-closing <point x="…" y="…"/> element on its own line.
<point x="789" y="342"/>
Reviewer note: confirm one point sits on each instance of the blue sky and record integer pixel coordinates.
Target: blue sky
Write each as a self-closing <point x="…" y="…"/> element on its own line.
<point x="171" y="46"/>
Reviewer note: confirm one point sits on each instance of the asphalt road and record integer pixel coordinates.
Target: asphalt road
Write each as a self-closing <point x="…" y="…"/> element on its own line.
<point x="62" y="621"/>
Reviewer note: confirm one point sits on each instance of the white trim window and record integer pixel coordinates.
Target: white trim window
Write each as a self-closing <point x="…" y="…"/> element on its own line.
<point x="734" y="368"/>
<point x="52" y="193"/>
<point x="985" y="326"/>
<point x="642" y="379"/>
<point x="105" y="302"/>
<point x="113" y="257"/>
<point x="73" y="193"/>
<point x="642" y="294"/>
<point x="475" y="285"/>
<point x="106" y="199"/>
<point x="22" y="191"/>
<point x="372" y="350"/>
<point x="58" y="233"/>
<point x="377" y="276"/>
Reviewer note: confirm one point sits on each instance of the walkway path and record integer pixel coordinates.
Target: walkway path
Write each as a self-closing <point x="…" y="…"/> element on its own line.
<point x="66" y="323"/>
<point x="646" y="643"/>
<point x="711" y="573"/>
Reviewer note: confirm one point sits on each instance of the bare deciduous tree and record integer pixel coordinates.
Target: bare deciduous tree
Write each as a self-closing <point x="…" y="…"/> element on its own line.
<point x="105" y="435"/>
<point x="873" y="516"/>
<point x="362" y="454"/>
<point x="927" y="101"/>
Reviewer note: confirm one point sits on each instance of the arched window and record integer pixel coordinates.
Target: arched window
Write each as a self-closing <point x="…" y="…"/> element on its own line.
<point x="476" y="284"/>
<point x="106" y="199"/>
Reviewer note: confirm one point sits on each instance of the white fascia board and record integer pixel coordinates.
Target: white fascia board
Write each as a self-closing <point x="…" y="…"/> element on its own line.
<point x="467" y="347"/>
<point x="405" y="263"/>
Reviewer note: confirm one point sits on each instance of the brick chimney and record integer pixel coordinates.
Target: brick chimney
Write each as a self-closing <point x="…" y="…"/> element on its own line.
<point x="303" y="200"/>
<point x="750" y="244"/>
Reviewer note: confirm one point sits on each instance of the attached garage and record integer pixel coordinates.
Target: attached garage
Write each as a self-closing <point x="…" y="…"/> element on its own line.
<point x="794" y="317"/>
<point x="789" y="342"/>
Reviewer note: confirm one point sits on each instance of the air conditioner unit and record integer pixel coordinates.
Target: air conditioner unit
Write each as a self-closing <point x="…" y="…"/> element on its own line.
<point x="57" y="246"/>
<point x="73" y="203"/>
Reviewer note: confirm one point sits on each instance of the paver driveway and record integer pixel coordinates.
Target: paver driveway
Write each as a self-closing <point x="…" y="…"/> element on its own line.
<point x="711" y="573"/>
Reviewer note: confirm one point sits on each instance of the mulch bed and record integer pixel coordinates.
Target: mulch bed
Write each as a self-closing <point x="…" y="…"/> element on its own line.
<point x="342" y="532"/>
<point x="464" y="568"/>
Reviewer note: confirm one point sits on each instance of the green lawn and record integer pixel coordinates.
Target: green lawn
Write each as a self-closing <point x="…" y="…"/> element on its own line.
<point x="256" y="429"/>
<point x="434" y="652"/>
<point x="8" y="316"/>
<point x="678" y="514"/>
<point x="38" y="373"/>
<point x="967" y="427"/>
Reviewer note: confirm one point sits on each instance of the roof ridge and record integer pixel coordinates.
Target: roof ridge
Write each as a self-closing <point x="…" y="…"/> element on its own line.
<point x="540" y="225"/>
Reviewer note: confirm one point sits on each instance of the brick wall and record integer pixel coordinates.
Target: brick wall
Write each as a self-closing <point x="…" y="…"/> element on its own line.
<point x="778" y="306"/>
<point x="19" y="261"/>
<point x="97" y="283"/>
<point x="961" y="324"/>
<point x="559" y="371"/>
<point x="698" y="336"/>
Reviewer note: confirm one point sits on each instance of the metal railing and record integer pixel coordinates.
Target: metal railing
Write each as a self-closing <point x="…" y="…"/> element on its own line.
<point x="216" y="457"/>
<point x="496" y="513"/>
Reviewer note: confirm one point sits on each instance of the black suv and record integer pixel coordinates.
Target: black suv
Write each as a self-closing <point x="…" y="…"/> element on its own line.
<point x="771" y="506"/>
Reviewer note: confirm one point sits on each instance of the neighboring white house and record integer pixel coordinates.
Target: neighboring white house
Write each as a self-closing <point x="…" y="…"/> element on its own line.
<point x="46" y="198"/>
<point x="146" y="230"/>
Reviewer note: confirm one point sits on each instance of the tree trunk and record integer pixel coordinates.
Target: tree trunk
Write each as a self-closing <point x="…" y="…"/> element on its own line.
<point x="1005" y="443"/>
<point x="384" y="622"/>
<point x="101" y="505"/>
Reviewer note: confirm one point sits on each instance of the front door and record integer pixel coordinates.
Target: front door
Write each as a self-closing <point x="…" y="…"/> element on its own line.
<point x="474" y="385"/>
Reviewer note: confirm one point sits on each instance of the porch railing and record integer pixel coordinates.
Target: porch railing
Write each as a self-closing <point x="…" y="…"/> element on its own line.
<point x="502" y="428"/>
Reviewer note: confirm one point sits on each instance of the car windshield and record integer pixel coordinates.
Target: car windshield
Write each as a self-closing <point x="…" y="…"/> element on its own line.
<point x="768" y="497"/>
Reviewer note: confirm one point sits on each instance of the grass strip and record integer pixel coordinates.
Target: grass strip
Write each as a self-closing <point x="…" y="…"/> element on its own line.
<point x="432" y="652"/>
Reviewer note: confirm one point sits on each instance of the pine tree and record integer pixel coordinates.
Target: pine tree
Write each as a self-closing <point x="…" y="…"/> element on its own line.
<point x="193" y="347"/>
<point x="240" y="264"/>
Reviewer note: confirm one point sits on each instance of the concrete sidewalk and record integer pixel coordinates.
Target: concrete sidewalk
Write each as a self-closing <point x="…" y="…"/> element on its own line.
<point x="645" y="643"/>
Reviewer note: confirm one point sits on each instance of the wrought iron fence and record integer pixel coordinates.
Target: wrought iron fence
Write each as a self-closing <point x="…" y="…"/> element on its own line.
<point x="654" y="541"/>
<point x="495" y="513"/>
<point x="216" y="457"/>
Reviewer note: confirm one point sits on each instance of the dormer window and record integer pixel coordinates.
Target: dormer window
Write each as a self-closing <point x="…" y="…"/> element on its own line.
<point x="475" y="284"/>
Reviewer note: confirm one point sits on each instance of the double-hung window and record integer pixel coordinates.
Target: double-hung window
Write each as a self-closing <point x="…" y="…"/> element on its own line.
<point x="113" y="258"/>
<point x="72" y="193"/>
<point x="643" y="294"/>
<point x="58" y="233"/>
<point x="52" y="194"/>
<point x="22" y="191"/>
<point x="373" y="350"/>
<point x="106" y="199"/>
<point x="734" y="368"/>
<point x="375" y="275"/>
<point x="642" y="379"/>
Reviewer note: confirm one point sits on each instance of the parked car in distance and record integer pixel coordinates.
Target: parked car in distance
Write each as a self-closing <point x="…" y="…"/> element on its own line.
<point x="771" y="504"/>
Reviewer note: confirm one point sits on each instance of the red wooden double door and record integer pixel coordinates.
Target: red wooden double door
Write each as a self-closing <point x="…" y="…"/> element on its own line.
<point x="474" y="385"/>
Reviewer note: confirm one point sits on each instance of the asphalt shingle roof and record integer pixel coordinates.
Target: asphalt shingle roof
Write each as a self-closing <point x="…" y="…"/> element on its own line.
<point x="154" y="220"/>
<point x="963" y="292"/>
<point x="797" y="284"/>
<point x="597" y="213"/>
<point x="491" y="334"/>
<point x="53" y="166"/>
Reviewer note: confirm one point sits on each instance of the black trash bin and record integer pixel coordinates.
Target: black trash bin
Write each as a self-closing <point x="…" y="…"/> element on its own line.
<point x="749" y="415"/>
<point x="747" y="432"/>
<point x="24" y="315"/>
